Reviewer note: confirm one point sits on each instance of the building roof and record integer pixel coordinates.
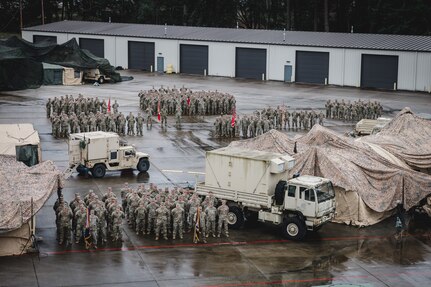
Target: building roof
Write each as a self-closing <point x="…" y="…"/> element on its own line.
<point x="250" y="36"/>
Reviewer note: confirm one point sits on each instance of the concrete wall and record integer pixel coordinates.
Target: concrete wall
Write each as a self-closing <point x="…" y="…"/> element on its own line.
<point x="414" y="69"/>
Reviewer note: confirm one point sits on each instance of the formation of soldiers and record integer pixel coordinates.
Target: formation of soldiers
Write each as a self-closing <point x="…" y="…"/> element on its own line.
<point x="186" y="102"/>
<point x="262" y="121"/>
<point x="172" y="212"/>
<point x="168" y="212"/>
<point x="69" y="115"/>
<point x="355" y="111"/>
<point x="89" y="220"/>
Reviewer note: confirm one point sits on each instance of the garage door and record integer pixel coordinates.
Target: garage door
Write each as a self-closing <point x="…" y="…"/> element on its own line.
<point x="42" y="38"/>
<point x="250" y="63"/>
<point x="141" y="55"/>
<point x="379" y="71"/>
<point x="95" y="46"/>
<point x="193" y="59"/>
<point x="311" y="67"/>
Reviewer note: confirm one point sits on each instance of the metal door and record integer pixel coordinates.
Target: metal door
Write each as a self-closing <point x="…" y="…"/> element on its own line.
<point x="141" y="55"/>
<point x="288" y="73"/>
<point x="379" y="71"/>
<point x="193" y="59"/>
<point x="250" y="63"/>
<point x="160" y="64"/>
<point x="95" y="46"/>
<point x="312" y="67"/>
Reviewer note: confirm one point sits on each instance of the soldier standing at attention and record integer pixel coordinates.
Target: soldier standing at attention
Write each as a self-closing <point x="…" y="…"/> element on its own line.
<point x="178" y="220"/>
<point x="162" y="221"/>
<point x="223" y="211"/>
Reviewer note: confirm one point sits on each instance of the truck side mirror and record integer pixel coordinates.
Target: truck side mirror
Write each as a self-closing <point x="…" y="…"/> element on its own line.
<point x="296" y="175"/>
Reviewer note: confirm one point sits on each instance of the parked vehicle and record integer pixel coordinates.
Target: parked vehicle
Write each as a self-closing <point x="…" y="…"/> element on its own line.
<point x="100" y="151"/>
<point x="255" y="184"/>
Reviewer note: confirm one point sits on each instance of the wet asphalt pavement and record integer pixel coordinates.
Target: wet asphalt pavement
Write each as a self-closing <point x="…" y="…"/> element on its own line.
<point x="256" y="255"/>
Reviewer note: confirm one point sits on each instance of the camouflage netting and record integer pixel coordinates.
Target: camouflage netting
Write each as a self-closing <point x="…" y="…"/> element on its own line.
<point x="19" y="184"/>
<point x="408" y="137"/>
<point x="367" y="184"/>
<point x="21" y="62"/>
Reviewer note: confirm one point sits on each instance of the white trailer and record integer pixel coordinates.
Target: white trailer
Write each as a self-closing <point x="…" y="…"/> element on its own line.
<point x="255" y="183"/>
<point x="100" y="151"/>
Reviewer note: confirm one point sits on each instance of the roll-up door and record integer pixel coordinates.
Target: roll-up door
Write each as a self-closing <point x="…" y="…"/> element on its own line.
<point x="141" y="55"/>
<point x="250" y="63"/>
<point x="379" y="71"/>
<point x="312" y="67"/>
<point x="42" y="38"/>
<point x="193" y="59"/>
<point x="95" y="46"/>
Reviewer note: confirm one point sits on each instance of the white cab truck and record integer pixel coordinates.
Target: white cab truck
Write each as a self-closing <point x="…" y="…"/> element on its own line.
<point x="100" y="151"/>
<point x="255" y="185"/>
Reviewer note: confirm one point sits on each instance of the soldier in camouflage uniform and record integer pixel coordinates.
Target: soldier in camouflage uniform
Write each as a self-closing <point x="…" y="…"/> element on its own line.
<point x="178" y="221"/>
<point x="117" y="221"/>
<point x="65" y="224"/>
<point x="80" y="219"/>
<point x="211" y="215"/>
<point x="164" y="117"/>
<point x="130" y="124"/>
<point x="48" y="108"/>
<point x="162" y="221"/>
<point x="115" y="107"/>
<point x="152" y="212"/>
<point x="140" y="217"/>
<point x="223" y="211"/>
<point x="139" y="124"/>
<point x="202" y="223"/>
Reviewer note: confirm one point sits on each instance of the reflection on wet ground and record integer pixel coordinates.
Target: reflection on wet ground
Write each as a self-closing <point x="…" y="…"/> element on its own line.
<point x="254" y="256"/>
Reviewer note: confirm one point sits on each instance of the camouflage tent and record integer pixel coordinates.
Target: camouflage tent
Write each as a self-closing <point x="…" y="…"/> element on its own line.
<point x="24" y="191"/>
<point x="408" y="138"/>
<point x="367" y="183"/>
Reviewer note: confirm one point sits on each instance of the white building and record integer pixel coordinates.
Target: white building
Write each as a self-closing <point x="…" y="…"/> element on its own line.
<point x="345" y="59"/>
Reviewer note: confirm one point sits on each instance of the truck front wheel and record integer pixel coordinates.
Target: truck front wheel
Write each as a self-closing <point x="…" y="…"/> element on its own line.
<point x="101" y="80"/>
<point x="293" y="228"/>
<point x="143" y="164"/>
<point x="98" y="171"/>
<point x="235" y="217"/>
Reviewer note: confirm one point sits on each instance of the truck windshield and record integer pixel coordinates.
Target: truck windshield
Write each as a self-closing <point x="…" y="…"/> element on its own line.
<point x="325" y="192"/>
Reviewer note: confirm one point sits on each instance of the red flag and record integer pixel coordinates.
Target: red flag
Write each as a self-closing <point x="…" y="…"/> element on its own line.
<point x="109" y="105"/>
<point x="232" y="123"/>
<point x="158" y="111"/>
<point x="188" y="101"/>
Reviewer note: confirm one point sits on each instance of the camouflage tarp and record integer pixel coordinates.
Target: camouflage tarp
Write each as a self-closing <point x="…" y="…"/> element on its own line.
<point x="408" y="137"/>
<point x="19" y="184"/>
<point x="367" y="184"/>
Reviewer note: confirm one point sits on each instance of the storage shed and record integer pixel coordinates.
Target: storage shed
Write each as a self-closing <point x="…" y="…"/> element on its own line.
<point x="391" y="62"/>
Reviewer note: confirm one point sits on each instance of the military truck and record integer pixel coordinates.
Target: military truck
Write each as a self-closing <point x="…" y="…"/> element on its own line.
<point x="370" y="127"/>
<point x="256" y="185"/>
<point x="95" y="75"/>
<point x="99" y="151"/>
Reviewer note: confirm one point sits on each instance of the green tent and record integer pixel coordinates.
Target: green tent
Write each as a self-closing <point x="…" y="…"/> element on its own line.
<point x="21" y="62"/>
<point x="52" y="74"/>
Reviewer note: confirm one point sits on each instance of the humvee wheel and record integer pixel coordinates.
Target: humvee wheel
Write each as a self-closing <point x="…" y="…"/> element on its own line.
<point x="101" y="80"/>
<point x="143" y="164"/>
<point x="235" y="217"/>
<point x="293" y="228"/>
<point x="98" y="171"/>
